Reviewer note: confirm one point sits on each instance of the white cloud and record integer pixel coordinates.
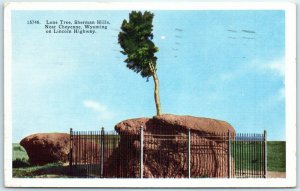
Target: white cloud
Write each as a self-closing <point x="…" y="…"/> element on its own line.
<point x="99" y="108"/>
<point x="276" y="66"/>
<point x="162" y="37"/>
<point x="226" y="76"/>
<point x="96" y="106"/>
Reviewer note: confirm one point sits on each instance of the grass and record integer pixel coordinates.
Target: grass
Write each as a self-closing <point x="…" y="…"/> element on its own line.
<point x="19" y="152"/>
<point x="248" y="156"/>
<point x="51" y="170"/>
<point x="22" y="168"/>
<point x="20" y="157"/>
<point x="276" y="156"/>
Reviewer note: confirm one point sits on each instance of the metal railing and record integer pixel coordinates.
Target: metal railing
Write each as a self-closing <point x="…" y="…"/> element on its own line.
<point x="167" y="153"/>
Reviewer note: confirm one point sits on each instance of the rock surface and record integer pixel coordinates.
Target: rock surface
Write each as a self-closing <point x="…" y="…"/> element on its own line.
<point x="165" y="147"/>
<point x="45" y="148"/>
<point x="169" y="122"/>
<point x="199" y="124"/>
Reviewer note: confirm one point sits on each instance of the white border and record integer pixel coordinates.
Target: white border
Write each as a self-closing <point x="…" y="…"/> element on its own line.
<point x="290" y="84"/>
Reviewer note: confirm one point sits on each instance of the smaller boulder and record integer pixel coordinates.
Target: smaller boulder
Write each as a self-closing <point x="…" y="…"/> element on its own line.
<point x="46" y="148"/>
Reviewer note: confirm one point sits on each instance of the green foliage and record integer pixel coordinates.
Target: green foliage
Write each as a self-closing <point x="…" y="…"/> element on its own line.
<point x="135" y="39"/>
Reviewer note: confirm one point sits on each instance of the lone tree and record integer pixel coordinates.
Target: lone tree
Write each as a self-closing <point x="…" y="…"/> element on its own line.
<point x="135" y="39"/>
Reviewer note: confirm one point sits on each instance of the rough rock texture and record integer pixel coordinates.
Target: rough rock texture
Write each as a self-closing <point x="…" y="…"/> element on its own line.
<point x="165" y="147"/>
<point x="44" y="148"/>
<point x="200" y="124"/>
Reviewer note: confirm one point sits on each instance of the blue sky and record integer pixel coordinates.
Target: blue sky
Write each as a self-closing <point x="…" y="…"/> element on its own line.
<point x="212" y="67"/>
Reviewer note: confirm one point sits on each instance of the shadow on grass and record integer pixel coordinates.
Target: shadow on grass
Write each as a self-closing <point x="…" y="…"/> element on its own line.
<point x="53" y="170"/>
<point x="19" y="163"/>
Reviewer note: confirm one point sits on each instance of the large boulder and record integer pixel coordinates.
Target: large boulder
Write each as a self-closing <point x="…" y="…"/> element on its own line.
<point x="165" y="147"/>
<point x="46" y="148"/>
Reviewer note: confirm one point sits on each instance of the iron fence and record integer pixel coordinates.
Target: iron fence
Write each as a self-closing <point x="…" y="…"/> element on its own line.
<point x="167" y="153"/>
<point x="249" y="153"/>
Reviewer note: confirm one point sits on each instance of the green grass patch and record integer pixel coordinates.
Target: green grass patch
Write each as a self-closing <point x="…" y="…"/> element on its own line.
<point x="20" y="157"/>
<point x="248" y="156"/>
<point x="19" y="152"/>
<point x="276" y="156"/>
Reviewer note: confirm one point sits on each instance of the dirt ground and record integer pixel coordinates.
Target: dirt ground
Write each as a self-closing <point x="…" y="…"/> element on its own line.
<point x="273" y="174"/>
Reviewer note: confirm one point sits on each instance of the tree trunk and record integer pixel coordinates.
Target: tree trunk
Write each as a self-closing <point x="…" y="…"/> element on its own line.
<point x="156" y="90"/>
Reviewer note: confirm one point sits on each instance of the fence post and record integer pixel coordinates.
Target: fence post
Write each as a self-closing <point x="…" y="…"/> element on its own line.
<point x="102" y="152"/>
<point x="229" y="155"/>
<point x="265" y="154"/>
<point x="142" y="153"/>
<point x="189" y="153"/>
<point x="71" y="151"/>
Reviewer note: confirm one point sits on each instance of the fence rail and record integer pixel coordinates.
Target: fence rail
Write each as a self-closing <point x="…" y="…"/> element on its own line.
<point x="167" y="154"/>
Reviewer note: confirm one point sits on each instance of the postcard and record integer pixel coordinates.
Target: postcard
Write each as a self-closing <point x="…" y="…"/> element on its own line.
<point x="150" y="94"/>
